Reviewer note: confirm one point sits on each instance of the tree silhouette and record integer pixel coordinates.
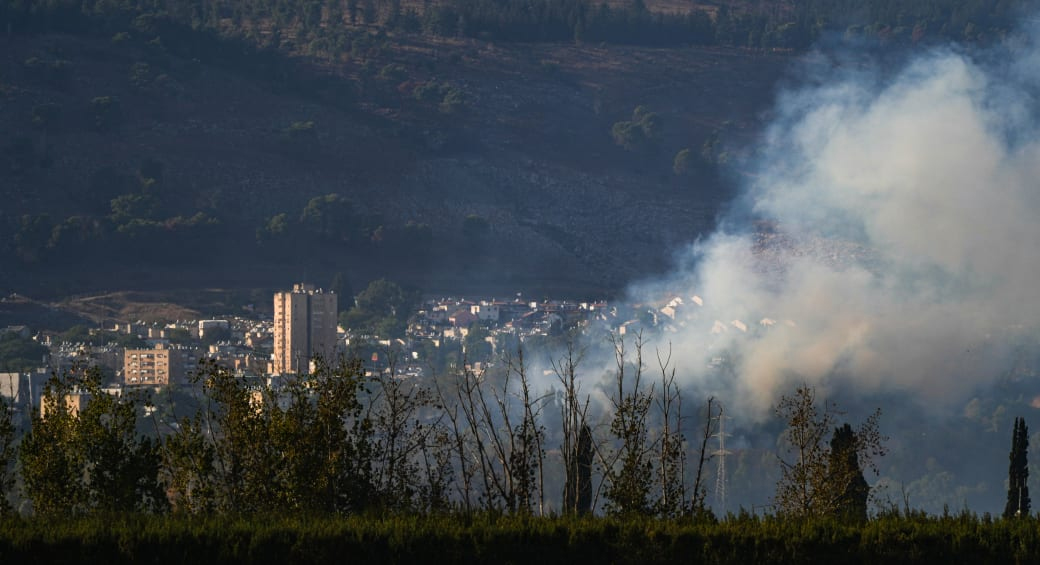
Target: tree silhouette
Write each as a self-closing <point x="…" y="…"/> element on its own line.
<point x="846" y="477"/>
<point x="577" y="490"/>
<point x="1018" y="473"/>
<point x="8" y="451"/>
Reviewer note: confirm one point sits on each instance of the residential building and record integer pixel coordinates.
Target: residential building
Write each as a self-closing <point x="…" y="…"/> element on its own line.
<point x="155" y="367"/>
<point x="9" y="386"/>
<point x="485" y="311"/>
<point x="304" y="328"/>
<point x="212" y="326"/>
<point x="74" y="402"/>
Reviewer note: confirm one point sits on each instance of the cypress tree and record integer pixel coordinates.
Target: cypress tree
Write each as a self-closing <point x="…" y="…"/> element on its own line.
<point x="1018" y="472"/>
<point x="577" y="491"/>
<point x="846" y="480"/>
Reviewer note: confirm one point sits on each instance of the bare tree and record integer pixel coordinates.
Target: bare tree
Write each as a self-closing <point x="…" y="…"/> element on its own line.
<point x="495" y="432"/>
<point x="577" y="437"/>
<point x="671" y="449"/>
<point x="628" y="467"/>
<point x="697" y="504"/>
<point x="457" y="403"/>
<point x="408" y="471"/>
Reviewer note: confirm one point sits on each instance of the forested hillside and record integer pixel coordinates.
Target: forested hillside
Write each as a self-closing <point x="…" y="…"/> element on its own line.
<point x="563" y="146"/>
<point x="323" y="25"/>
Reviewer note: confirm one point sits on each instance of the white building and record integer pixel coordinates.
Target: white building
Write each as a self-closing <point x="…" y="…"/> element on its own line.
<point x="485" y="311"/>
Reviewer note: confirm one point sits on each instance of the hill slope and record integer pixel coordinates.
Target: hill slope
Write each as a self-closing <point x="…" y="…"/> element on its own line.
<point x="454" y="165"/>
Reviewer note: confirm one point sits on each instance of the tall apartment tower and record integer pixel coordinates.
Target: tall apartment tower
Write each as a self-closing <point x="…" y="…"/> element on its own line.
<point x="304" y="327"/>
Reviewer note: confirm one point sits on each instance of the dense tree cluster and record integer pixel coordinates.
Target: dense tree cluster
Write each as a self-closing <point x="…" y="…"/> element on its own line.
<point x="355" y="439"/>
<point x="82" y="453"/>
<point x="349" y="439"/>
<point x="19" y="353"/>
<point x="381" y="309"/>
<point x="320" y="24"/>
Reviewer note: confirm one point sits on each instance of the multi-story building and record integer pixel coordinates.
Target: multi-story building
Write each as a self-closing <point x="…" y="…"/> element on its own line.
<point x="151" y="367"/>
<point x="304" y="328"/>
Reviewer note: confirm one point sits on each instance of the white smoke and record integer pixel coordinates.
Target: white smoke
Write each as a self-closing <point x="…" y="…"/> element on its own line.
<point x="898" y="239"/>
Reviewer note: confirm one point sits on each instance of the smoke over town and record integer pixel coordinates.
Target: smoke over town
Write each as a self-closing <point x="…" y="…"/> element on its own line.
<point x="886" y="241"/>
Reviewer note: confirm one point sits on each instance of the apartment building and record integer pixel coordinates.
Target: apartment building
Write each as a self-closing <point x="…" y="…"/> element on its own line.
<point x="305" y="321"/>
<point x="151" y="367"/>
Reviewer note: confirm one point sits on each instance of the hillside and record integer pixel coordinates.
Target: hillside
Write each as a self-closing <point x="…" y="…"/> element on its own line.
<point x="459" y="164"/>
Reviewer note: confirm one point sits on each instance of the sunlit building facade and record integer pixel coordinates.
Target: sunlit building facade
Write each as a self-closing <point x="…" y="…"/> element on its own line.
<point x="304" y="328"/>
<point x="152" y="367"/>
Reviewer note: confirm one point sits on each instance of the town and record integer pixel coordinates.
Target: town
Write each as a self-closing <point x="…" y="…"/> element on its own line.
<point x="306" y="325"/>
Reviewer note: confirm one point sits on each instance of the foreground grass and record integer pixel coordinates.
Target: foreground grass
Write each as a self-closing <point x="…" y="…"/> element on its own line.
<point x="484" y="539"/>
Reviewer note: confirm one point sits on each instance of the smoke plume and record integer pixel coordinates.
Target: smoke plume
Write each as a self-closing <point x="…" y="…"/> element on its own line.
<point x="892" y="237"/>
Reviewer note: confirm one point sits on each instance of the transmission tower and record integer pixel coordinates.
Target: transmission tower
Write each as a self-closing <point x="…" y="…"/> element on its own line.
<point x="720" y="465"/>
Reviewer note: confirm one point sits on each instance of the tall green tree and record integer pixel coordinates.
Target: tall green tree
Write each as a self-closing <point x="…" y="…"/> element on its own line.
<point x="305" y="446"/>
<point x="1018" y="473"/>
<point x="83" y="454"/>
<point x="850" y="488"/>
<point x="577" y="490"/>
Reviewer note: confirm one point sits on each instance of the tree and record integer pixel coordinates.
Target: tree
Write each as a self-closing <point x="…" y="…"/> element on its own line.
<point x="341" y="286"/>
<point x="816" y="479"/>
<point x="383" y="308"/>
<point x="628" y="469"/>
<point x="82" y="453"/>
<point x="577" y="491"/>
<point x="850" y="500"/>
<point x="638" y="133"/>
<point x="682" y="162"/>
<point x="671" y="443"/>
<point x="577" y="449"/>
<point x="412" y="467"/>
<point x="385" y="298"/>
<point x="329" y="217"/>
<point x="496" y="435"/>
<point x="698" y="506"/>
<point x="20" y="354"/>
<point x="8" y="451"/>
<point x="1018" y="474"/>
<point x="305" y="446"/>
<point x="475" y="344"/>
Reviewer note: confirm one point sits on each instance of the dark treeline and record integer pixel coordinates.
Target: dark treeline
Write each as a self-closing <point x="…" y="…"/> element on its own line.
<point x="323" y="24"/>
